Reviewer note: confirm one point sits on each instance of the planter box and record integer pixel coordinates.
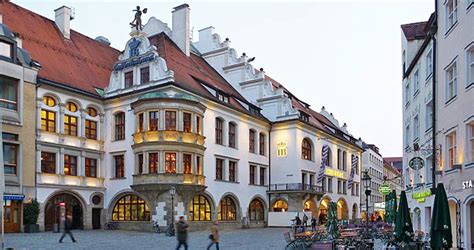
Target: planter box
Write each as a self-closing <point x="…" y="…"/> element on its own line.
<point x="31" y="228"/>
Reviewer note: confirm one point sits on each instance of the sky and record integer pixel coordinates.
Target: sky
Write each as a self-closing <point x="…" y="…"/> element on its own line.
<point x="341" y="54"/>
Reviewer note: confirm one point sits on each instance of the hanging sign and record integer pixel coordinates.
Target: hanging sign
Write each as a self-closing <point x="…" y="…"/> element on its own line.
<point x="384" y="189"/>
<point x="421" y="195"/>
<point x="416" y="163"/>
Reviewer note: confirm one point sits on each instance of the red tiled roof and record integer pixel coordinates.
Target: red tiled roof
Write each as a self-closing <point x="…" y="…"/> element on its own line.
<point x="80" y="62"/>
<point x="414" y="31"/>
<point x="393" y="159"/>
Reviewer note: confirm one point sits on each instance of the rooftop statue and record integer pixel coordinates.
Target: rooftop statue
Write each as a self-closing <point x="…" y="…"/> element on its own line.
<point x="137" y="22"/>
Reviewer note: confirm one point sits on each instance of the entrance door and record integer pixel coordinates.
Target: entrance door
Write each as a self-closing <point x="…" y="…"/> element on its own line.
<point x="76" y="217"/>
<point x="73" y="208"/>
<point x="12" y="216"/>
<point x="96" y="218"/>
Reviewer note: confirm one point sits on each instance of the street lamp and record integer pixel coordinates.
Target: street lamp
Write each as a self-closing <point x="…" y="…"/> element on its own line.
<point x="367" y="180"/>
<point x="172" y="194"/>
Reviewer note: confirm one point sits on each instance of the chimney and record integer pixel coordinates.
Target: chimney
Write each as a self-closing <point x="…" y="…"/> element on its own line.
<point x="63" y="20"/>
<point x="181" y="28"/>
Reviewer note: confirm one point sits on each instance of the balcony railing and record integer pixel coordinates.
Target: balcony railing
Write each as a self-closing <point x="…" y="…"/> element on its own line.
<point x="296" y="187"/>
<point x="166" y="178"/>
<point x="168" y="136"/>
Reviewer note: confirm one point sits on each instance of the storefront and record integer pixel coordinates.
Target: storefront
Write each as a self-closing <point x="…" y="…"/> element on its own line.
<point x="13" y="211"/>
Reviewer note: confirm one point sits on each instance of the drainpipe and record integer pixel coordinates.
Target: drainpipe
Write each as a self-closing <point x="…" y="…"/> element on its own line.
<point x="433" y="30"/>
<point x="269" y="168"/>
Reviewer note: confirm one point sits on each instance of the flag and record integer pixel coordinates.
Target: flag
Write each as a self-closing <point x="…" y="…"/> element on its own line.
<point x="355" y="160"/>
<point x="323" y="163"/>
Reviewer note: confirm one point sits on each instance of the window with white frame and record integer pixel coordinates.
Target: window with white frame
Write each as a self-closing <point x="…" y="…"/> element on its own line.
<point x="429" y="115"/>
<point x="416" y="83"/>
<point x="407" y="135"/>
<point x="429" y="63"/>
<point x="451" y="81"/>
<point x="470" y="64"/>
<point x="470" y="140"/>
<point x="407" y="93"/>
<point x="451" y="13"/>
<point x="452" y="149"/>
<point x="416" y="129"/>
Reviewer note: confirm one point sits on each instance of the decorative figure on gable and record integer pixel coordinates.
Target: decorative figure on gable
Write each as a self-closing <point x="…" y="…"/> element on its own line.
<point x="133" y="46"/>
<point x="137" y="22"/>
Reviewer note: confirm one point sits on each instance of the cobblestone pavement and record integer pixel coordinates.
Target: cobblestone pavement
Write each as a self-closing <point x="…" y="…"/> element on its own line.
<point x="247" y="239"/>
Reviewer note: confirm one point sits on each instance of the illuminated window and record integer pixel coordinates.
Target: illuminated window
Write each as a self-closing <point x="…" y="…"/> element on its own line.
<point x="92" y="112"/>
<point x="153" y="162"/>
<point x="131" y="208"/>
<point x="170" y="120"/>
<point x="280" y="206"/>
<point x="48" y="162"/>
<point x="152" y="120"/>
<point x="452" y="148"/>
<point x="187" y="122"/>
<point x="198" y="125"/>
<point x="227" y="210"/>
<point x="70" y="125"/>
<point x="306" y="150"/>
<point x="119" y="166"/>
<point x="199" y="166"/>
<point x="170" y="162"/>
<point x="140" y="122"/>
<point x="91" y="167"/>
<point x="252" y="141"/>
<point x="49" y="101"/>
<point x="70" y="165"/>
<point x="199" y="209"/>
<point x="48" y="120"/>
<point x="256" y="211"/>
<point x="8" y="93"/>
<point x="470" y="131"/>
<point x="91" y="130"/>
<point x="187" y="158"/>
<point x="219" y="129"/>
<point x="120" y="126"/>
<point x="71" y="107"/>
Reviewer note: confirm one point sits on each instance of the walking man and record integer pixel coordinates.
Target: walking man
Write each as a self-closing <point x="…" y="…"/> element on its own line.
<point x="182" y="230"/>
<point x="214" y="236"/>
<point x="67" y="229"/>
<point x="313" y="224"/>
<point x="305" y="221"/>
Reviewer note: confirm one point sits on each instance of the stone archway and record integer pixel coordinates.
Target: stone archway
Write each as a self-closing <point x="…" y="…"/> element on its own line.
<point x="310" y="206"/>
<point x="74" y="208"/>
<point x="354" y="211"/>
<point x="342" y="210"/>
<point x="323" y="210"/>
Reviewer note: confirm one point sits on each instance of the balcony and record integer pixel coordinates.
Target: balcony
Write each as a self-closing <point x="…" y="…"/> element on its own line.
<point x="163" y="181"/>
<point x="69" y="180"/>
<point x="168" y="136"/>
<point x="295" y="188"/>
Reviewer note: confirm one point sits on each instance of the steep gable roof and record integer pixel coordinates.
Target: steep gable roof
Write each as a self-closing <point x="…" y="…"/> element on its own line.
<point x="414" y="31"/>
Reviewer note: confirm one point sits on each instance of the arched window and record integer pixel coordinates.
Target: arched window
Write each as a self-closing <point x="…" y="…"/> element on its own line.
<point x="130" y="208"/>
<point x="199" y="209"/>
<point x="227" y="210"/>
<point x="280" y="206"/>
<point x="92" y="112"/>
<point x="120" y="126"/>
<point x="70" y="121"/>
<point x="219" y="131"/>
<point x="49" y="101"/>
<point x="232" y="131"/>
<point x="71" y="106"/>
<point x="306" y="150"/>
<point x="256" y="211"/>
<point x="48" y="117"/>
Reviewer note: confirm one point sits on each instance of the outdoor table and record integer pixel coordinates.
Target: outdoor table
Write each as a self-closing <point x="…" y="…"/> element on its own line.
<point x="306" y="234"/>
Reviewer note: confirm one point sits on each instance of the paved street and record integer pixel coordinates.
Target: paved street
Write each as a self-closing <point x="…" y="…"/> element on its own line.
<point x="268" y="238"/>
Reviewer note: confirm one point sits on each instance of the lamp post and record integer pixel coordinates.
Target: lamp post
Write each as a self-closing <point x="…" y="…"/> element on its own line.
<point x="172" y="194"/>
<point x="367" y="180"/>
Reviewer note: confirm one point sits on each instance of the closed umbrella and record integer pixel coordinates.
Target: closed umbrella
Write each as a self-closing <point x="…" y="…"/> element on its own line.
<point x="332" y="226"/>
<point x="403" y="226"/>
<point x="440" y="232"/>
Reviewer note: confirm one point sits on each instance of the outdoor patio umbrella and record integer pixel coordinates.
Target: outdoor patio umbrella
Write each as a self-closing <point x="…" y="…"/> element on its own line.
<point x="391" y="207"/>
<point x="403" y="226"/>
<point x="440" y="232"/>
<point x="332" y="225"/>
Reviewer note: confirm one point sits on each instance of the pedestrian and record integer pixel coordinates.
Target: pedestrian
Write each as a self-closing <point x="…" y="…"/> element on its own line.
<point x="182" y="230"/>
<point x="214" y="236"/>
<point x="305" y="221"/>
<point x="67" y="229"/>
<point x="313" y="224"/>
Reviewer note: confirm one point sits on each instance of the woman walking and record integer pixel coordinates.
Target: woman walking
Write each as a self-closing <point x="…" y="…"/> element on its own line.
<point x="214" y="236"/>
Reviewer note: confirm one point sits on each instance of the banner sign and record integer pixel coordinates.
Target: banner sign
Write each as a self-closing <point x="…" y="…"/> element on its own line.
<point x="324" y="158"/>
<point x="355" y="161"/>
<point x="134" y="61"/>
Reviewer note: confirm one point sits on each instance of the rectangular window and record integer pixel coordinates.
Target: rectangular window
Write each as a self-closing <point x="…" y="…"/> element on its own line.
<point x="232" y="135"/>
<point x="429" y="63"/>
<point x="91" y="167"/>
<point x="6" y="50"/>
<point x="232" y="171"/>
<point x="470" y="65"/>
<point x="263" y="174"/>
<point x="323" y="184"/>
<point x="10" y="158"/>
<point x="91" y="130"/>
<point x="144" y="75"/>
<point x="261" y="146"/>
<point x="153" y="163"/>
<point x="187" y="127"/>
<point x="120" y="126"/>
<point x="48" y="162"/>
<point x="451" y="81"/>
<point x="140" y="163"/>
<point x="252" y="174"/>
<point x="407" y="136"/>
<point x="303" y="178"/>
<point x="70" y="125"/>
<point x="451" y="13"/>
<point x="48" y="121"/>
<point x="199" y="165"/>
<point x="416" y="129"/>
<point x="70" y="165"/>
<point x="170" y="120"/>
<point x="339" y="187"/>
<point x="198" y="125"/>
<point x="222" y="97"/>
<point x="8" y="92"/>
<point x="344" y="187"/>
<point x="119" y="166"/>
<point x="329" y="184"/>
<point x="407" y="93"/>
<point x="429" y="115"/>
<point x="140" y="122"/>
<point x="470" y="132"/>
<point x="252" y="141"/>
<point x="170" y="163"/>
<point x="339" y="159"/>
<point x="153" y="120"/>
<point x="452" y="149"/>
<point x="187" y="164"/>
<point x="128" y="79"/>
<point x="219" y="168"/>
<point x="416" y="83"/>
<point x="219" y="128"/>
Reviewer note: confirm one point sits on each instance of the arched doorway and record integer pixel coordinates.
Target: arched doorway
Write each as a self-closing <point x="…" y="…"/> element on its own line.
<point x="280" y="206"/>
<point x="310" y="206"/>
<point x="470" y="223"/>
<point x="354" y="211"/>
<point x="323" y="210"/>
<point x="73" y="209"/>
<point x="342" y="210"/>
<point x="453" y="210"/>
<point x="417" y="218"/>
<point x="256" y="210"/>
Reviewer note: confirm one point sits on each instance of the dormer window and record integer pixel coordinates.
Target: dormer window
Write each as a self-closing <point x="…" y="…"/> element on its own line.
<point x="304" y="117"/>
<point x="8" y="93"/>
<point x="222" y="97"/>
<point x="144" y="75"/>
<point x="128" y="79"/>
<point x="6" y="49"/>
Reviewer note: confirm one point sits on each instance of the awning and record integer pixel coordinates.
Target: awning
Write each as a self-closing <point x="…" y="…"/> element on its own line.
<point x="13" y="197"/>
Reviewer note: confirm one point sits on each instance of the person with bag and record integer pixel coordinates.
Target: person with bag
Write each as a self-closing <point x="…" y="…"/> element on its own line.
<point x="182" y="230"/>
<point x="214" y="236"/>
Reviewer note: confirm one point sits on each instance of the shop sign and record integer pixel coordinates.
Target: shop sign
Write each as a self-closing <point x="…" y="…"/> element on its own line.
<point x="467" y="184"/>
<point x="281" y="149"/>
<point x="384" y="189"/>
<point x="134" y="61"/>
<point x="334" y="173"/>
<point x="416" y="163"/>
<point x="380" y="205"/>
<point x="421" y="195"/>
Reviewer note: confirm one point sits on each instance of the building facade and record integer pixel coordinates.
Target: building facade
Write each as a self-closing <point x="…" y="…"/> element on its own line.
<point x="17" y="110"/>
<point x="372" y="162"/>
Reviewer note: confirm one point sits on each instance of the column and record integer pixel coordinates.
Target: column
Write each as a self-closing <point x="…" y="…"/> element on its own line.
<point x="81" y="164"/>
<point x="145" y="163"/>
<point x="60" y="167"/>
<point x="39" y="101"/>
<point x="161" y="120"/>
<point x="60" y="118"/>
<point x="81" y="123"/>
<point x="161" y="160"/>
<point x="179" y="120"/>
<point x="38" y="158"/>
<point x="101" y="127"/>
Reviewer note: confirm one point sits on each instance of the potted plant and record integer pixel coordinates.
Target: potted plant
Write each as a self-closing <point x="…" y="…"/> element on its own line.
<point x="30" y="216"/>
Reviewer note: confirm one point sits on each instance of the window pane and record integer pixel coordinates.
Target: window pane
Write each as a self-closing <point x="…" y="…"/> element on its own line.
<point x="8" y="92"/>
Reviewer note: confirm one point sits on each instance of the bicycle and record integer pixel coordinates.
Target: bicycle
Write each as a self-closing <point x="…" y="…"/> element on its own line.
<point x="110" y="226"/>
<point x="156" y="227"/>
<point x="170" y="230"/>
